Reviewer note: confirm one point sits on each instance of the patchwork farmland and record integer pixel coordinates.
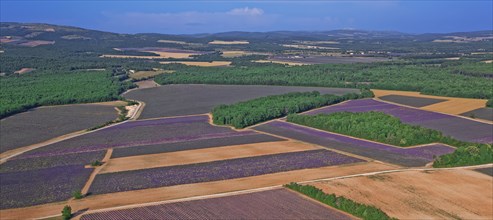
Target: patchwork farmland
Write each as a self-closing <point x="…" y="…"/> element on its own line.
<point x="240" y="125"/>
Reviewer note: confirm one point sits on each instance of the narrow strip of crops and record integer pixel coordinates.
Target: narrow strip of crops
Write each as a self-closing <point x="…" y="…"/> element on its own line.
<point x="254" y="111"/>
<point x="360" y="210"/>
<point x="217" y="170"/>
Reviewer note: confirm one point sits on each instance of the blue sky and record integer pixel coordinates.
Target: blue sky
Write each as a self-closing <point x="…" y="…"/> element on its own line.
<point x="175" y="17"/>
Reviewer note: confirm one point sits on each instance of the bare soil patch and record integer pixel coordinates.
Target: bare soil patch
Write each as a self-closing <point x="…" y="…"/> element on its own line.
<point x="146" y="84"/>
<point x="189" y="190"/>
<point x="411" y="101"/>
<point x="203" y="155"/>
<point x="444" y="194"/>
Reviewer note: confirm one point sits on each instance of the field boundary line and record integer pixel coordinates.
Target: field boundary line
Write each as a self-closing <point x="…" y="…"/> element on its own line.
<point x="95" y="172"/>
<point x="458" y="116"/>
<point x="178" y="116"/>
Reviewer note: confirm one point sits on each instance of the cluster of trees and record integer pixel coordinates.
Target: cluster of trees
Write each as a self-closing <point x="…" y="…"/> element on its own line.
<point x="360" y="210"/>
<point x="432" y="80"/>
<point x="380" y="127"/>
<point x="251" y="112"/>
<point x="466" y="156"/>
<point x="22" y="92"/>
<point x="375" y="126"/>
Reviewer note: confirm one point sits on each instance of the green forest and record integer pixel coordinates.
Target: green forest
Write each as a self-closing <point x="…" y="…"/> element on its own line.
<point x="22" y="92"/>
<point x="375" y="126"/>
<point x="258" y="110"/>
<point x="428" y="79"/>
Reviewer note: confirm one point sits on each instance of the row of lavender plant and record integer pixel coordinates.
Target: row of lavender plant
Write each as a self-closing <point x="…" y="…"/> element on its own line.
<point x="217" y="170"/>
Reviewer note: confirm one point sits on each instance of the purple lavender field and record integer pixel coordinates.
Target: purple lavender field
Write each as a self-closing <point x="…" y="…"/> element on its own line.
<point x="272" y="204"/>
<point x="16" y="165"/>
<point x="28" y="188"/>
<point x="459" y="128"/>
<point x="417" y="156"/>
<point x="216" y="170"/>
<point x="140" y="133"/>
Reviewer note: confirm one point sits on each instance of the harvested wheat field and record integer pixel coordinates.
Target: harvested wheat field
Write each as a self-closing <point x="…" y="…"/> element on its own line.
<point x="203" y="155"/>
<point x="441" y="194"/>
<point x="94" y="202"/>
<point x="147" y="74"/>
<point x="223" y="42"/>
<point x="452" y="105"/>
<point x="146" y="84"/>
<point x="199" y="63"/>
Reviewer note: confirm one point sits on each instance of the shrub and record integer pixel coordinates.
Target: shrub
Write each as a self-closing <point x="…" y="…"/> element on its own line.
<point x="466" y="156"/>
<point x="77" y="195"/>
<point x="96" y="163"/>
<point x="66" y="212"/>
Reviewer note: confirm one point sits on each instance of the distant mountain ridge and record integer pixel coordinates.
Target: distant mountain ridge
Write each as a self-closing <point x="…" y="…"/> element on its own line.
<point x="23" y="29"/>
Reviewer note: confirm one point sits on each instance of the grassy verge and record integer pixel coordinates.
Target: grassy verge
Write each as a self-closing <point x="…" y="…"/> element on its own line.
<point x="360" y="210"/>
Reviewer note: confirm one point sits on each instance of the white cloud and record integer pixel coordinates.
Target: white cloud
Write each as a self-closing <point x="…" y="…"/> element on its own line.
<point x="246" y="11"/>
<point x="192" y="21"/>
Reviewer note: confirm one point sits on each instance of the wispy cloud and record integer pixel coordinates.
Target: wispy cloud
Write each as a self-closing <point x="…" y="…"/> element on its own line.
<point x="246" y="11"/>
<point x="182" y="22"/>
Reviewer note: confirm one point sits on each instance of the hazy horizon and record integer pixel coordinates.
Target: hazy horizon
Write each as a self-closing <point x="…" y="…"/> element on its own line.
<point x="195" y="17"/>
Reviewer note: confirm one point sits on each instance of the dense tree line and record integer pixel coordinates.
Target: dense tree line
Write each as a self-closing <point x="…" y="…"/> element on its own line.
<point x="254" y="111"/>
<point x="380" y="127"/>
<point x="427" y="79"/>
<point x="22" y="92"/>
<point x="375" y="126"/>
<point x="360" y="210"/>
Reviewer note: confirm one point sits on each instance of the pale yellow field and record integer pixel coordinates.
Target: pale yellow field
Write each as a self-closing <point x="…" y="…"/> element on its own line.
<point x="145" y="74"/>
<point x="487" y="61"/>
<point x="148" y="161"/>
<point x="443" y="194"/>
<point x="229" y="42"/>
<point x="172" y="41"/>
<point x="239" y="53"/>
<point x="199" y="63"/>
<point x="281" y="62"/>
<point x="300" y="46"/>
<point x="454" y="106"/>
